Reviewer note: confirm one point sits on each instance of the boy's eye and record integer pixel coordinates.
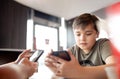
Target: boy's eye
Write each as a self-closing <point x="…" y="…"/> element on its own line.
<point x="89" y="34"/>
<point x="77" y="34"/>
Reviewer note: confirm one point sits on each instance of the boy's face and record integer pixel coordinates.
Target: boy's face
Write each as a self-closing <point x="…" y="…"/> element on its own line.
<point x="85" y="38"/>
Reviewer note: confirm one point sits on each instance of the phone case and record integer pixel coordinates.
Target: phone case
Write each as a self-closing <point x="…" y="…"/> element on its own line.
<point x="62" y="54"/>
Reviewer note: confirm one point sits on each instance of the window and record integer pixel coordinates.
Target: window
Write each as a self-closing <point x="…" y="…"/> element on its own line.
<point x="46" y="38"/>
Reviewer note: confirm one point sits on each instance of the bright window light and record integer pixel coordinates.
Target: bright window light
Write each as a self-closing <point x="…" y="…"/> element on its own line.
<point x="29" y="41"/>
<point x="63" y="34"/>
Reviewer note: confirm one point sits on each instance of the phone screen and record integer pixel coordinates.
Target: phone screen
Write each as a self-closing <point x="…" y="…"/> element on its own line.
<point x="36" y="55"/>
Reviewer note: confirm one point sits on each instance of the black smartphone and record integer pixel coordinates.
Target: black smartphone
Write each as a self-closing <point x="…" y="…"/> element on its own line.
<point x="62" y="54"/>
<point x="36" y="55"/>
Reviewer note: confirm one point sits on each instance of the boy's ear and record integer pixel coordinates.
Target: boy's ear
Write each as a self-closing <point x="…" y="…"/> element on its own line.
<point x="97" y="34"/>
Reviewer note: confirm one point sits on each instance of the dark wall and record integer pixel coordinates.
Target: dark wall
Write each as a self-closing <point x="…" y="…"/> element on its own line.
<point x="7" y="56"/>
<point x="70" y="35"/>
<point x="13" y="24"/>
<point x="100" y="13"/>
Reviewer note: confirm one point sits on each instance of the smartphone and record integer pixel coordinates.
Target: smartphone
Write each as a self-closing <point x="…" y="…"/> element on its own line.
<point x="36" y="55"/>
<point x="62" y="54"/>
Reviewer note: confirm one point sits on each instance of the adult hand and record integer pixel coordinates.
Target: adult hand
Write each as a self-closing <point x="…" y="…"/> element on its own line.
<point x="23" y="70"/>
<point x="24" y="54"/>
<point x="28" y="67"/>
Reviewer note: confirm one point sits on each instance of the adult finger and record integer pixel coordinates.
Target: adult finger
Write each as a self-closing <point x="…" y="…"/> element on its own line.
<point x="25" y="53"/>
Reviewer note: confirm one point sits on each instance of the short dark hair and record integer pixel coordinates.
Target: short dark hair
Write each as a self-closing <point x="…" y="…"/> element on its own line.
<point x="84" y="20"/>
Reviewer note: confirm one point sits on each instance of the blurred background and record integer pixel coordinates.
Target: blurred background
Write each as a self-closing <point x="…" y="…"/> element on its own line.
<point x="42" y="24"/>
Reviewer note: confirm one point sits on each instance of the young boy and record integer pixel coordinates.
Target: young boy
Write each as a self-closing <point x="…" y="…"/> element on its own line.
<point x="89" y="56"/>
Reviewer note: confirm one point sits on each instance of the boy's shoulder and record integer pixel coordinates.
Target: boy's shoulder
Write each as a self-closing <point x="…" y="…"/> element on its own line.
<point x="102" y="39"/>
